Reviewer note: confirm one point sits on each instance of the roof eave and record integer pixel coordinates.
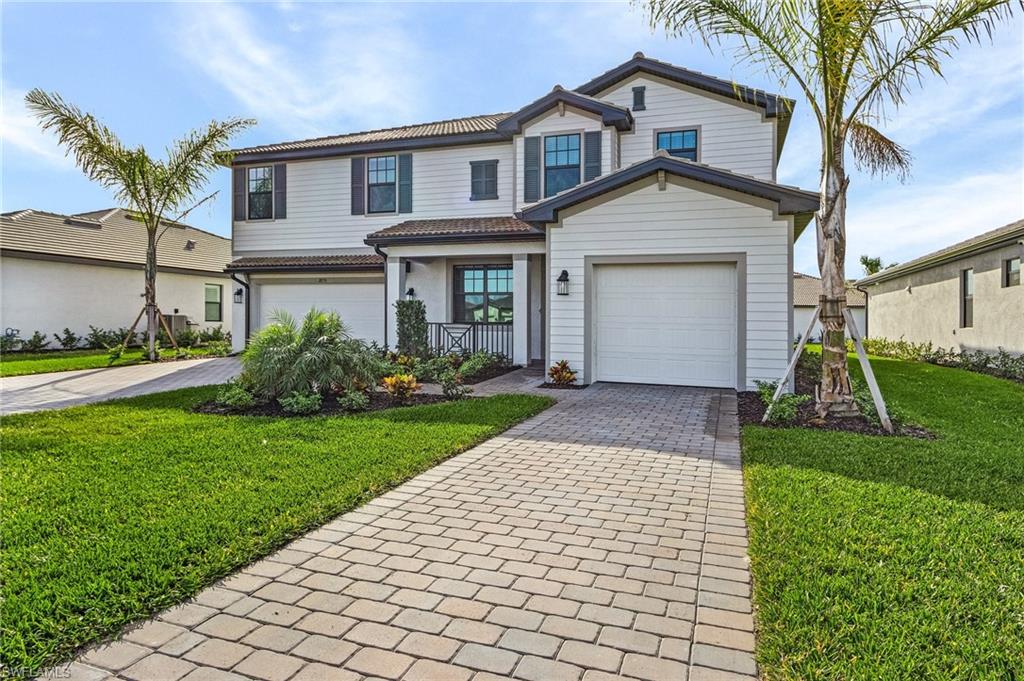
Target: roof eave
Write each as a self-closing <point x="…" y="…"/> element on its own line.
<point x="610" y="114"/>
<point x="476" y="237"/>
<point x="279" y="269"/>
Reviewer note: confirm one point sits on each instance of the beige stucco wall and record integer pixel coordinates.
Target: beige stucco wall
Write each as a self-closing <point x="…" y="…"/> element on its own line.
<point x="930" y="309"/>
<point x="48" y="296"/>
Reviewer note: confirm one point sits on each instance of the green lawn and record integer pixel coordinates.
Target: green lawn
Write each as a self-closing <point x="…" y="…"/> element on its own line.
<point x="894" y="558"/>
<point x="111" y="512"/>
<point x="24" y="363"/>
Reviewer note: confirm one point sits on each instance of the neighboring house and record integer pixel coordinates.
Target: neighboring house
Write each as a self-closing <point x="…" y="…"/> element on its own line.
<point x="806" y="290"/>
<point x="632" y="226"/>
<point x="967" y="296"/>
<point x="87" y="269"/>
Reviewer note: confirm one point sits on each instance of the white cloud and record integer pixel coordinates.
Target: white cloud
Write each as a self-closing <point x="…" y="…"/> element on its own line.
<point x="20" y="131"/>
<point x="351" y="72"/>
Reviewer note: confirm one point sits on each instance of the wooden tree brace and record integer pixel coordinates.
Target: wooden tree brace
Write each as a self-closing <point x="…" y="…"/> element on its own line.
<point x="869" y="374"/>
<point x="781" y="387"/>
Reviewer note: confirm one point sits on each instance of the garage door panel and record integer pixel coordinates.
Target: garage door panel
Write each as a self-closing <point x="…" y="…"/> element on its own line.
<point x="666" y="323"/>
<point x="360" y="305"/>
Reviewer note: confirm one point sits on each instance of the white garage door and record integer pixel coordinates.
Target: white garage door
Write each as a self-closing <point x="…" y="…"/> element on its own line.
<point x="360" y="305"/>
<point x="666" y="323"/>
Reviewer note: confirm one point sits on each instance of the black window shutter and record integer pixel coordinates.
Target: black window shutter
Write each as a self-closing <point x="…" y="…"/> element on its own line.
<point x="531" y="169"/>
<point x="358" y="184"/>
<point x="591" y="155"/>
<point x="238" y="193"/>
<point x="639" y="98"/>
<point x="476" y="181"/>
<point x="405" y="183"/>
<point x="280" y="191"/>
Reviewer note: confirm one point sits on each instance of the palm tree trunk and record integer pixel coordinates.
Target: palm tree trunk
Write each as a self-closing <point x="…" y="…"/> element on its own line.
<point x="835" y="396"/>
<point x="151" y="320"/>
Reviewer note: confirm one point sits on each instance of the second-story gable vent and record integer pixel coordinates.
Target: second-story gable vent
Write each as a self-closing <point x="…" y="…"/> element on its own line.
<point x="639" y="98"/>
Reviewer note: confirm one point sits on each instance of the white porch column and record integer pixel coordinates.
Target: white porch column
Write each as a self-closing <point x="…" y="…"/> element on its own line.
<point x="396" y="291"/>
<point x="521" y="308"/>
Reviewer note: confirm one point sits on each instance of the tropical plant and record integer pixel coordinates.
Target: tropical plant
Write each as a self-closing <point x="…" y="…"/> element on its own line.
<point x="452" y="385"/>
<point x="218" y="348"/>
<point x="400" y="387"/>
<point x="561" y="374"/>
<point x="481" y="362"/>
<point x="870" y="265"/>
<point x="158" y="192"/>
<point x="852" y="60"/>
<point x="67" y="339"/>
<point x="785" y="409"/>
<point x="411" y="320"/>
<point x="353" y="400"/>
<point x="235" y="395"/>
<point x="301" y="402"/>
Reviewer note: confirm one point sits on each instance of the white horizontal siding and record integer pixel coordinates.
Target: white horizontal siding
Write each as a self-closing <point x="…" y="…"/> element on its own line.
<point x="320" y="210"/>
<point x="732" y="136"/>
<point x="680" y="220"/>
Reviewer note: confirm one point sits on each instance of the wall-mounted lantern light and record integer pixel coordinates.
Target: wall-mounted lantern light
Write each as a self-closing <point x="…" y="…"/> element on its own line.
<point x="563" y="283"/>
<point x="411" y="293"/>
<point x="238" y="295"/>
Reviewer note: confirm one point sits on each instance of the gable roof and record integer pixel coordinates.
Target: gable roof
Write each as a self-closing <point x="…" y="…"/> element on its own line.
<point x="611" y="114"/>
<point x="791" y="201"/>
<point x="455" y="229"/>
<point x="987" y="241"/>
<point x="109" y="236"/>
<point x="807" y="288"/>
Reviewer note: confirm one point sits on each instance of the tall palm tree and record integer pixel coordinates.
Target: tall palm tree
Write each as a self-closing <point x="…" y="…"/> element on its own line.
<point x="159" y="192"/>
<point x="851" y="59"/>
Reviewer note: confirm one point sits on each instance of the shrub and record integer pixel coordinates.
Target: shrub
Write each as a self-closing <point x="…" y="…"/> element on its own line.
<point x="187" y="338"/>
<point x="9" y="342"/>
<point x="133" y="340"/>
<point x="480" y="362"/>
<point x="1002" y="363"/>
<point x="400" y="387"/>
<point x="233" y="394"/>
<point x="353" y="400"/>
<point x="411" y="319"/>
<point x="452" y="386"/>
<point x="67" y="339"/>
<point x="98" y="338"/>
<point x="218" y="348"/>
<point x="283" y="358"/>
<point x="785" y="409"/>
<point x="36" y="342"/>
<point x="561" y="374"/>
<point x="301" y="402"/>
<point x="213" y="334"/>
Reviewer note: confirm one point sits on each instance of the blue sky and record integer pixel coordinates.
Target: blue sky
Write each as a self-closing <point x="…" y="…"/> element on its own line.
<point x="154" y="71"/>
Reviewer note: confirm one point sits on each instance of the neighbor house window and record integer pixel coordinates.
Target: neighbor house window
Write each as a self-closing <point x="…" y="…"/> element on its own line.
<point x="213" y="303"/>
<point x="261" y="193"/>
<point x="967" y="298"/>
<point x="1011" y="272"/>
<point x="484" y="180"/>
<point x="681" y="143"/>
<point x="381" y="183"/>
<point x="483" y="293"/>
<point x="561" y="163"/>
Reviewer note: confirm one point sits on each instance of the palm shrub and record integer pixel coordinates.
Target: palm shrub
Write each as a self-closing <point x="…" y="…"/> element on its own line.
<point x="284" y="358"/>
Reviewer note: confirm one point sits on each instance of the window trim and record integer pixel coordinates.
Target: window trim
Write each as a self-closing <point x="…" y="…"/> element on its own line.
<point x="1006" y="271"/>
<point x="966" y="317"/>
<point x="544" y="159"/>
<point x="366" y="178"/>
<point x="688" y="128"/>
<point x="248" y="205"/>
<point x="220" y="303"/>
<point x="483" y="197"/>
<point x="485" y="266"/>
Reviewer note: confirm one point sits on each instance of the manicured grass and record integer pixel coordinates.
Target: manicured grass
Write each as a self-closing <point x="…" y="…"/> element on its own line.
<point x="24" y="363"/>
<point x="111" y="512"/>
<point x="894" y="558"/>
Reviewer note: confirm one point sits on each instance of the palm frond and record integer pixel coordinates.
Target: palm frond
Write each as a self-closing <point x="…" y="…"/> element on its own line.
<point x="876" y="153"/>
<point x="191" y="160"/>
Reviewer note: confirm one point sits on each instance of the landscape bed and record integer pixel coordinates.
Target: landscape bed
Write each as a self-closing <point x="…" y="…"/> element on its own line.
<point x="895" y="557"/>
<point x="111" y="512"/>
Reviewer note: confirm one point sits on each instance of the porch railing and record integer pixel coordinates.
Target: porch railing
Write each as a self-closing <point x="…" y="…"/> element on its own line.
<point x="467" y="337"/>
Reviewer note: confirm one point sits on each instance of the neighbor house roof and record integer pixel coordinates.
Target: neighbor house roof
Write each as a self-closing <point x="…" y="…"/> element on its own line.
<point x="308" y="263"/>
<point x="108" y="237"/>
<point x="806" y="290"/>
<point x="789" y="199"/>
<point x="455" y="230"/>
<point x="996" y="238"/>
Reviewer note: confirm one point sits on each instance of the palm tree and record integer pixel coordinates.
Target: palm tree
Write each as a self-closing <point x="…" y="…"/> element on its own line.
<point x="151" y="188"/>
<point x="850" y="59"/>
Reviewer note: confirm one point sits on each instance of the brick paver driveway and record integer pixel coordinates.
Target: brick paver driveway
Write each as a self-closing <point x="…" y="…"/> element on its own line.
<point x="69" y="388"/>
<point x="602" y="539"/>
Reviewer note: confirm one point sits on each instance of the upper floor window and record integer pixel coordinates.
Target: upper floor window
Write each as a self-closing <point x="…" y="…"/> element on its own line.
<point x="967" y="298"/>
<point x="561" y="163"/>
<point x="381" y="184"/>
<point x="681" y="143"/>
<point x="483" y="293"/>
<point x="261" y="193"/>
<point x="1011" y="272"/>
<point x="213" y="303"/>
<point x="484" y="180"/>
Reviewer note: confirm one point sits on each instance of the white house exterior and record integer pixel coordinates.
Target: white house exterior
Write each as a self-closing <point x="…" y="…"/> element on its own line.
<point x="649" y="192"/>
<point x="806" y="291"/>
<point x="76" y="271"/>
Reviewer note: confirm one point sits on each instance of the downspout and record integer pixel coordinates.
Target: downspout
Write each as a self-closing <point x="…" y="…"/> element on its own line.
<point x="384" y="255"/>
<point x="245" y="285"/>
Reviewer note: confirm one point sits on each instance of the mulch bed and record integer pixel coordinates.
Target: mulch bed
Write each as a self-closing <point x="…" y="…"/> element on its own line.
<point x="379" y="401"/>
<point x="561" y="386"/>
<point x="487" y="374"/>
<point x="751" y="409"/>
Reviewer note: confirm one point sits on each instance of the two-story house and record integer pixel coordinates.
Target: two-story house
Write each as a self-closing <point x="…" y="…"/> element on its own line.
<point x="631" y="226"/>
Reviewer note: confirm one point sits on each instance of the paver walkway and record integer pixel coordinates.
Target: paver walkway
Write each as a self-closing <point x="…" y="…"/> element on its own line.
<point x="69" y="388"/>
<point x="602" y="539"/>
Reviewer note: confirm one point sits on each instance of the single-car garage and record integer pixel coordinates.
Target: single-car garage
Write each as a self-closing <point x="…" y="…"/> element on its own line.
<point x="671" y="323"/>
<point x="360" y="303"/>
